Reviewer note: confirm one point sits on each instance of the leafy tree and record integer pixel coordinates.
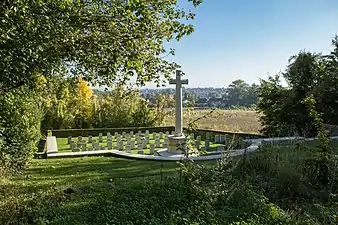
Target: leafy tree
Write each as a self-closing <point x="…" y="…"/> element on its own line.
<point x="108" y="41"/>
<point x="83" y="114"/>
<point x="283" y="111"/>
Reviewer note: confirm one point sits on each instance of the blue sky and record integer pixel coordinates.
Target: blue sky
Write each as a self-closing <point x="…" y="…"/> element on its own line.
<point x="249" y="39"/>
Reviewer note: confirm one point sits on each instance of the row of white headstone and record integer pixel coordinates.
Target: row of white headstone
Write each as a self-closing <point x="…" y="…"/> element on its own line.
<point x="127" y="143"/>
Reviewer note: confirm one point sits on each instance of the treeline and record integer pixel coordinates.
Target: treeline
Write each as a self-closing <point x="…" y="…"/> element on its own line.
<point x="311" y="76"/>
<point x="70" y="103"/>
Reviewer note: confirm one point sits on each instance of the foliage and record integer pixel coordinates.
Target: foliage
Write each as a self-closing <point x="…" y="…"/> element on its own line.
<point x="20" y="117"/>
<point x="281" y="107"/>
<point x="106" y="40"/>
<point x="99" y="190"/>
<point x="322" y="166"/>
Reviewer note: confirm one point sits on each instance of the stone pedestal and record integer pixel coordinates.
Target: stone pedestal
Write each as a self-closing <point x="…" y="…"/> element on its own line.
<point x="176" y="144"/>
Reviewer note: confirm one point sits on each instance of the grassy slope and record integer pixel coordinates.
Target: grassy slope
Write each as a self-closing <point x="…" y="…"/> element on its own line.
<point x="107" y="190"/>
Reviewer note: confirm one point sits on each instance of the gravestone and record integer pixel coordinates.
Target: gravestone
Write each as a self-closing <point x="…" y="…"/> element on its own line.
<point x="197" y="144"/>
<point x="207" y="136"/>
<point x="164" y="145"/>
<point x="84" y="146"/>
<point x="157" y="143"/>
<point x="217" y="139"/>
<point x="161" y="135"/>
<point x="128" y="148"/>
<point x="207" y="144"/>
<point x="123" y="134"/>
<point x="79" y="138"/>
<point x="116" y="134"/>
<point x="151" y="149"/>
<point x="51" y="145"/>
<point x="147" y="132"/>
<point x="131" y="133"/>
<point x="132" y="144"/>
<point x="100" y="138"/>
<point x="74" y="147"/>
<point x="69" y="139"/>
<point x="144" y="144"/>
<point x="222" y="139"/>
<point x="90" y="139"/>
<point x="167" y="133"/>
<point x="109" y="145"/>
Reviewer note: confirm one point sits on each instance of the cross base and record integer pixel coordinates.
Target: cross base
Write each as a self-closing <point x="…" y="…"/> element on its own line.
<point x="177" y="144"/>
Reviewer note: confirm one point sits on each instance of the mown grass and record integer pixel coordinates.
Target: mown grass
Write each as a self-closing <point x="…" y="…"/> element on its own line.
<point x="223" y="120"/>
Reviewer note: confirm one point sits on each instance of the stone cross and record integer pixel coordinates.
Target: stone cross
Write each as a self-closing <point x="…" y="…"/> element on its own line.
<point x="178" y="103"/>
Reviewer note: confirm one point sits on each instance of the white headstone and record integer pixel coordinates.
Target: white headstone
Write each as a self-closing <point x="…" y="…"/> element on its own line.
<point x="157" y="143"/>
<point x="109" y="145"/>
<point x="217" y="138"/>
<point x="51" y="145"/>
<point x="69" y="139"/>
<point x="151" y="149"/>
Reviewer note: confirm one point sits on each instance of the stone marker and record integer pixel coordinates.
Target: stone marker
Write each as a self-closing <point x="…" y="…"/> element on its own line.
<point x="207" y="136"/>
<point x="84" y="146"/>
<point x="69" y="139"/>
<point x="152" y="149"/>
<point x="74" y="147"/>
<point x="222" y="139"/>
<point x="164" y="145"/>
<point x="100" y="137"/>
<point x="147" y="132"/>
<point x="132" y="144"/>
<point x="157" y="143"/>
<point x="207" y="144"/>
<point x="144" y="144"/>
<point x="217" y="139"/>
<point x="90" y="139"/>
<point x="96" y="146"/>
<point x="51" y="145"/>
<point x="116" y="134"/>
<point x="167" y="133"/>
<point x="131" y="133"/>
<point x="108" y="134"/>
<point x="79" y="138"/>
<point x="139" y="147"/>
<point x="197" y="144"/>
<point x="120" y="145"/>
<point x="123" y="134"/>
<point x="109" y="145"/>
<point x="128" y="148"/>
<point x="161" y="135"/>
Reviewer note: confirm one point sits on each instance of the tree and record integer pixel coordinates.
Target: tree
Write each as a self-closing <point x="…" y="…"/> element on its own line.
<point x="283" y="109"/>
<point x="108" y="41"/>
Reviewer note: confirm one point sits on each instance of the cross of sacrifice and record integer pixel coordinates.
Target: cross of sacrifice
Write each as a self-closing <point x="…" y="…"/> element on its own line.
<point x="178" y="103"/>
